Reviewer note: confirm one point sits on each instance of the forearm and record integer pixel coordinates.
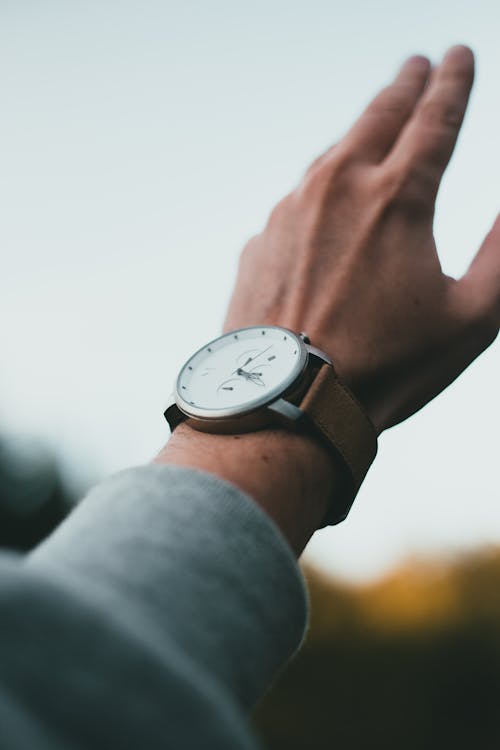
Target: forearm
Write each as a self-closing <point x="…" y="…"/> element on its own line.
<point x="292" y="477"/>
<point x="191" y="566"/>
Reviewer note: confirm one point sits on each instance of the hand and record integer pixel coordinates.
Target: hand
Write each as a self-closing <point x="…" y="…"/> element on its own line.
<point x="349" y="256"/>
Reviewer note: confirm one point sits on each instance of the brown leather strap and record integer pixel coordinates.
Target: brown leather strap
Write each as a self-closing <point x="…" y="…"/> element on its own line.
<point x="340" y="418"/>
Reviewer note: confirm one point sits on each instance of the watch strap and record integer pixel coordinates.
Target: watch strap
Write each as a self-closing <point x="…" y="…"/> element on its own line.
<point x="343" y="423"/>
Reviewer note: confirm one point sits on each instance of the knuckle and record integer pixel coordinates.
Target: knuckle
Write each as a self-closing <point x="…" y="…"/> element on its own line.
<point x="407" y="189"/>
<point x="339" y="164"/>
<point x="321" y="159"/>
<point x="279" y="211"/>
<point x="333" y="175"/>
<point x="333" y="184"/>
<point x="249" y="250"/>
<point x="484" y="321"/>
<point x="439" y="113"/>
<point x="478" y="314"/>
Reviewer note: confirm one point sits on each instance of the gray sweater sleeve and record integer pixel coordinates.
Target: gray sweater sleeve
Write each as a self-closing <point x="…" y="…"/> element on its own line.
<point x="154" y="616"/>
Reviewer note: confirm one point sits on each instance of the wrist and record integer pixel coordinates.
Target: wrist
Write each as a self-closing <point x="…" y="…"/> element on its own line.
<point x="291" y="476"/>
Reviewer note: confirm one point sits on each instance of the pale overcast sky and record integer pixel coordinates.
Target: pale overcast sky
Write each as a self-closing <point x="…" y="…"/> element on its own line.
<point x="141" y="144"/>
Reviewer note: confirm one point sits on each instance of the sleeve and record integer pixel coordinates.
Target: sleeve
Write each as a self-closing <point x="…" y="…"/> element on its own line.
<point x="156" y="614"/>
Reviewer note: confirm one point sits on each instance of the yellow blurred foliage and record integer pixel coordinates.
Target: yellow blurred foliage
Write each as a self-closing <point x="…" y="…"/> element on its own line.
<point x="411" y="661"/>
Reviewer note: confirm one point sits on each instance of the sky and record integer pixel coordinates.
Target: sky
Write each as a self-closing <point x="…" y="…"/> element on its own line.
<point x="141" y="145"/>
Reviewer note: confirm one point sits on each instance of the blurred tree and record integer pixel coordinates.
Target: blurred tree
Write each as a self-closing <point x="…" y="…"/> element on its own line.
<point x="412" y="662"/>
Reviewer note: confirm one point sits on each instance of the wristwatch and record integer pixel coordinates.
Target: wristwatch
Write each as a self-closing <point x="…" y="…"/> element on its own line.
<point x="266" y="376"/>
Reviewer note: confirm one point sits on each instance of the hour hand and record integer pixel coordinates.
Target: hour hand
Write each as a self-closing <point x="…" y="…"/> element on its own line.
<point x="251" y="359"/>
<point x="240" y="370"/>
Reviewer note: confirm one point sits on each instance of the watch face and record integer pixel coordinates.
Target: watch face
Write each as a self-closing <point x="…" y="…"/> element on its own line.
<point x="240" y="371"/>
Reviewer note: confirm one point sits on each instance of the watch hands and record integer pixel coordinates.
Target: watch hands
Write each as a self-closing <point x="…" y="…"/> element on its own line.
<point x="253" y="377"/>
<point x="251" y="359"/>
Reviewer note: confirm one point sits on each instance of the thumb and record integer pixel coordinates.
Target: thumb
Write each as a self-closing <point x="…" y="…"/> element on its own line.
<point x="482" y="280"/>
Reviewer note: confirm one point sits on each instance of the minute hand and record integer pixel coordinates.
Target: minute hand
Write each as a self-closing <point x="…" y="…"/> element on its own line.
<point x="251" y="359"/>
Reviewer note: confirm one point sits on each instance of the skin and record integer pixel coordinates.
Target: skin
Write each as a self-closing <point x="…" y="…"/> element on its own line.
<point x="349" y="257"/>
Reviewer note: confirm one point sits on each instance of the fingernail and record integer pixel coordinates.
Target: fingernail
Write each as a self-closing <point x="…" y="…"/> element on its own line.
<point x="460" y="53"/>
<point x="417" y="62"/>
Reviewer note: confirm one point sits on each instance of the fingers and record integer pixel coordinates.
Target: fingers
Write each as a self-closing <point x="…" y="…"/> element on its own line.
<point x="375" y="132"/>
<point x="481" y="283"/>
<point x="427" y="141"/>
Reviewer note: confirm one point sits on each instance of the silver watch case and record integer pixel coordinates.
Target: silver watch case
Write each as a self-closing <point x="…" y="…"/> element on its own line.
<point x="280" y="409"/>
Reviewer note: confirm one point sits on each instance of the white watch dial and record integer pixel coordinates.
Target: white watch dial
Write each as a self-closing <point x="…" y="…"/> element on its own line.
<point x="240" y="371"/>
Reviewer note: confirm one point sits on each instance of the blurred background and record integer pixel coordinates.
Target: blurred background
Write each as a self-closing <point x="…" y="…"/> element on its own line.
<point x="141" y="145"/>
